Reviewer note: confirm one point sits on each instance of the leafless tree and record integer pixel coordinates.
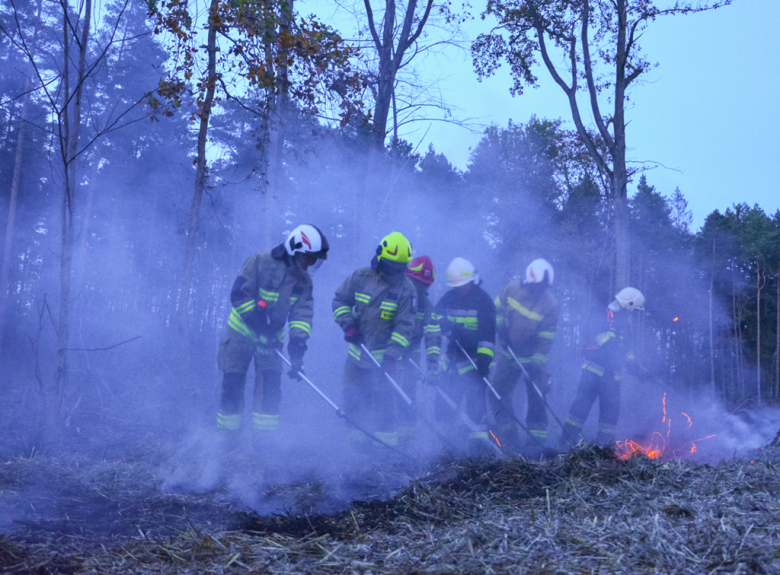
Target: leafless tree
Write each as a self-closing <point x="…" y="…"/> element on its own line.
<point x="598" y="40"/>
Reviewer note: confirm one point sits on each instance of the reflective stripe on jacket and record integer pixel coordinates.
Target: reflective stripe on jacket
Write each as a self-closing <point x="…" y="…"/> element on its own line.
<point x="603" y="341"/>
<point x="385" y="312"/>
<point x="426" y="326"/>
<point x="286" y="293"/>
<point x="470" y="319"/>
<point x="527" y="321"/>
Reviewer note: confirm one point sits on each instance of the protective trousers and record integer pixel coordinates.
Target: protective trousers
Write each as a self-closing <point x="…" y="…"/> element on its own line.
<point x="505" y="380"/>
<point x="464" y="385"/>
<point x="234" y="356"/>
<point x="370" y="401"/>
<point x="595" y="382"/>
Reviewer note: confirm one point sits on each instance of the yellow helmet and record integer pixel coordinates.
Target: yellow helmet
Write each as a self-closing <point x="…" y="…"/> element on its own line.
<point x="395" y="248"/>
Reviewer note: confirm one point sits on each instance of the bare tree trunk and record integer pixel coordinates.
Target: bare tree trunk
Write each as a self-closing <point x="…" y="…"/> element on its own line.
<point x="278" y="126"/>
<point x="389" y="205"/>
<point x="622" y="244"/>
<point x="614" y="142"/>
<point x="84" y="233"/>
<point x="69" y="145"/>
<point x="391" y="44"/>
<point x="738" y="334"/>
<point x="5" y="271"/>
<point x="758" y="330"/>
<point x="620" y="173"/>
<point x="200" y="173"/>
<point x="85" y="226"/>
<point x="712" y="335"/>
<point x="732" y="370"/>
<point x="9" y="230"/>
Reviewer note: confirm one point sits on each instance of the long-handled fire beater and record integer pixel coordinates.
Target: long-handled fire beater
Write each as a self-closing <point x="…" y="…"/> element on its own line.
<point x="409" y="402"/>
<point x="341" y="413"/>
<point x="474" y="365"/>
<point x="498" y="397"/>
<point x="538" y="391"/>
<point x="473" y="427"/>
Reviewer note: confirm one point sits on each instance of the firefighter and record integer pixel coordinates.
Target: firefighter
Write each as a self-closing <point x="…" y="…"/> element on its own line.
<point x="600" y="378"/>
<point x="467" y="317"/>
<point x="271" y="289"/>
<point x="526" y="320"/>
<point x="376" y="306"/>
<point x="422" y="273"/>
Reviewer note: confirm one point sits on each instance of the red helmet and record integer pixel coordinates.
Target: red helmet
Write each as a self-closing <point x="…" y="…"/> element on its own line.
<point x="422" y="270"/>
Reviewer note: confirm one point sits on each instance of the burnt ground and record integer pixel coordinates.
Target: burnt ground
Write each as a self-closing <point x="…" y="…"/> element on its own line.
<point x="583" y="511"/>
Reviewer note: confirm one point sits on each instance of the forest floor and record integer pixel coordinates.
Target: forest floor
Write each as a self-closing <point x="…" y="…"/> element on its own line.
<point x="583" y="511"/>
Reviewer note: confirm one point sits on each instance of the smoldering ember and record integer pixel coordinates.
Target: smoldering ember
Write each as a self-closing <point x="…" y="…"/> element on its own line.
<point x="251" y="320"/>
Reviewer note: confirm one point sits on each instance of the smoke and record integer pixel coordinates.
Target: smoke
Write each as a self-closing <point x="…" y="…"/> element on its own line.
<point x="166" y="385"/>
<point x="684" y="419"/>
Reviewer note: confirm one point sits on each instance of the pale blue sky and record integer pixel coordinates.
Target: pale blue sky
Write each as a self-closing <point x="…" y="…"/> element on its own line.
<point x="710" y="110"/>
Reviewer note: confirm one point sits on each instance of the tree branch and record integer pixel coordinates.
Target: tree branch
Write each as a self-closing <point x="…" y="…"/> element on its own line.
<point x="371" y="25"/>
<point x="592" y="92"/>
<point x="571" y="92"/>
<point x="103" y="348"/>
<point x="421" y="24"/>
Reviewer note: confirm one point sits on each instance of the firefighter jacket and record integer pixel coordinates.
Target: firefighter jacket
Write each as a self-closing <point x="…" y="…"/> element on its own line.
<point x="526" y="320"/>
<point x="427" y="326"/>
<point x="269" y="291"/>
<point x="383" y="309"/>
<point x="602" y="345"/>
<point x="469" y="319"/>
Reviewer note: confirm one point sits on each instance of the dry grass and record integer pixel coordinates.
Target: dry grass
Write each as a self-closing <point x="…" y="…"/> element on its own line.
<point x="582" y="512"/>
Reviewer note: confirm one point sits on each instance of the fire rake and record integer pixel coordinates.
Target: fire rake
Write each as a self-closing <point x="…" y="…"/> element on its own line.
<point x="408" y="401"/>
<point x="341" y="413"/>
<point x="498" y="397"/>
<point x="538" y="391"/>
<point x="473" y="427"/>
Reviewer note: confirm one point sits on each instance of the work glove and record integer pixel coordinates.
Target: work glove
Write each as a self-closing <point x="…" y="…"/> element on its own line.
<point x="483" y="364"/>
<point x="296" y="348"/>
<point x="388" y="365"/>
<point x="352" y="334"/>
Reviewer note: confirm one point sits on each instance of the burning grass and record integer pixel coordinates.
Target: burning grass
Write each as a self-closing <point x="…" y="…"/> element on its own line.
<point x="584" y="511"/>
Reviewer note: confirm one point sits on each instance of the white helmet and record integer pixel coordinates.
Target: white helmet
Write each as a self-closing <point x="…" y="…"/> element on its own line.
<point x="630" y="298"/>
<point x="536" y="271"/>
<point x="460" y="272"/>
<point x="307" y="239"/>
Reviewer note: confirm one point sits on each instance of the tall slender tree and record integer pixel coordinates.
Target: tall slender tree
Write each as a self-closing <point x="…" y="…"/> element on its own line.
<point x="599" y="42"/>
<point x="5" y="266"/>
<point x="64" y="95"/>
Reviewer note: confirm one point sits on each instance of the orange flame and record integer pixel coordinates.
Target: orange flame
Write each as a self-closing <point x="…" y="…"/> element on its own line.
<point x="664" y="404"/>
<point x="494" y="437"/>
<point x="628" y="448"/>
<point x="657" y="446"/>
<point x="675" y="319"/>
<point x="693" y="445"/>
